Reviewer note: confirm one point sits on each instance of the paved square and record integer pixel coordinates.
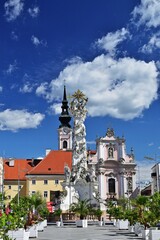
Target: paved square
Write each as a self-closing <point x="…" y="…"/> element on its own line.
<point x="89" y="233"/>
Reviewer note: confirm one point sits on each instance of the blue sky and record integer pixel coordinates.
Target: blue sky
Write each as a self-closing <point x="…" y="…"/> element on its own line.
<point x="108" y="49"/>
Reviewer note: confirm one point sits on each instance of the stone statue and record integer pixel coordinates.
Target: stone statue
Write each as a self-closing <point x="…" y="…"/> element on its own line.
<point x="79" y="111"/>
<point x="110" y="152"/>
<point x="93" y="174"/>
<point x="67" y="173"/>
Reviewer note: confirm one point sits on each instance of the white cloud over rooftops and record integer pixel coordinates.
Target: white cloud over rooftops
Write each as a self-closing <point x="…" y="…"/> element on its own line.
<point x="118" y="88"/>
<point x="14" y="120"/>
<point x="13" y="8"/>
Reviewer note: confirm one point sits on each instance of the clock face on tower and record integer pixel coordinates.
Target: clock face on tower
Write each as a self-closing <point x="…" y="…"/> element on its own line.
<point x="65" y="130"/>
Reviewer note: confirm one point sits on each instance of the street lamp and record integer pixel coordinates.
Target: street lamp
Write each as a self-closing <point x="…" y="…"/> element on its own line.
<point x="152" y="158"/>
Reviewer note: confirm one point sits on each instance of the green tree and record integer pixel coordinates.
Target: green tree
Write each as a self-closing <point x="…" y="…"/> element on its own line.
<point x="81" y="208"/>
<point x="145" y="216"/>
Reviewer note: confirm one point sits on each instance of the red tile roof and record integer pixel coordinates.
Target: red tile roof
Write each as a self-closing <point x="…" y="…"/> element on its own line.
<point x="53" y="163"/>
<point x="18" y="170"/>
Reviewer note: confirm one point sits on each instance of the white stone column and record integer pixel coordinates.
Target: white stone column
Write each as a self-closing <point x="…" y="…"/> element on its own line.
<point x="123" y="150"/>
<point x="100" y="153"/>
<point x="102" y="185"/>
<point x="79" y="111"/>
<point x="121" y="185"/>
<point x="125" y="185"/>
<point x="133" y="181"/>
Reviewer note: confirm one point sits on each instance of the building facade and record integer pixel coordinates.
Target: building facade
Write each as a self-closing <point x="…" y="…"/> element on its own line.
<point x="115" y="169"/>
<point x="155" y="176"/>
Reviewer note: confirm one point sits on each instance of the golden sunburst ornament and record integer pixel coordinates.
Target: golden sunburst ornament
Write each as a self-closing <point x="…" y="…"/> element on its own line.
<point x="79" y="95"/>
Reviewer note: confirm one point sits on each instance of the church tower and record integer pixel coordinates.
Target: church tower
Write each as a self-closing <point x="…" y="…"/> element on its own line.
<point x="65" y="130"/>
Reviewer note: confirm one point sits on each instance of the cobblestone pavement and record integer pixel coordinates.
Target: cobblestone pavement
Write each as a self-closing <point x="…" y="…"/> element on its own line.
<point x="89" y="233"/>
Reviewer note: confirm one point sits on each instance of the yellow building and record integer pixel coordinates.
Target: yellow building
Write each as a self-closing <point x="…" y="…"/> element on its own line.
<point x="24" y="177"/>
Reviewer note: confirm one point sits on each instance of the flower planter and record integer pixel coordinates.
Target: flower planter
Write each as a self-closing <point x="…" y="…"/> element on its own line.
<point x="114" y="222"/>
<point x="82" y="223"/>
<point x="138" y="229"/>
<point x="40" y="226"/>
<point x="145" y="234"/>
<point x="33" y="231"/>
<point x="58" y="223"/>
<point x="123" y="224"/>
<point x="100" y="223"/>
<point x="19" y="234"/>
<point x="154" y="234"/>
<point x="131" y="229"/>
<point x="44" y="222"/>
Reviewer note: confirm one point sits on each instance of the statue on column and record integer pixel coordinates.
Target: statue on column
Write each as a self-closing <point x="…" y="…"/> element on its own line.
<point x="79" y="111"/>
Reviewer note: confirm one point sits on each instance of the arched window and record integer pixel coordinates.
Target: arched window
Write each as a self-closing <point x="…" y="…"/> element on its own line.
<point x="64" y="144"/>
<point x="111" y="185"/>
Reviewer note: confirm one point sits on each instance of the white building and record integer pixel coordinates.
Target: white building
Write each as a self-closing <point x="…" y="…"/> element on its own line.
<point x="115" y="168"/>
<point x="155" y="175"/>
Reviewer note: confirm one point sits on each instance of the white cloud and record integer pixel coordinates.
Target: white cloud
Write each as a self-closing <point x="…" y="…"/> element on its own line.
<point x="150" y="144"/>
<point x="13" y="120"/>
<point x="42" y="90"/>
<point x="56" y="108"/>
<point x="27" y="88"/>
<point x="14" y="36"/>
<point x="34" y="11"/>
<point x="13" y="9"/>
<point x="111" y="40"/>
<point x="91" y="142"/>
<point x="144" y="172"/>
<point x="147" y="13"/>
<point x="153" y="44"/>
<point x="118" y="88"/>
<point x="38" y="42"/>
<point x="1" y="88"/>
<point x="12" y="67"/>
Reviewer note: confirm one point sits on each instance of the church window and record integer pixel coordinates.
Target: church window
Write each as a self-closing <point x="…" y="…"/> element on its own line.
<point x="64" y="144"/>
<point x="111" y="186"/>
<point x="9" y="187"/>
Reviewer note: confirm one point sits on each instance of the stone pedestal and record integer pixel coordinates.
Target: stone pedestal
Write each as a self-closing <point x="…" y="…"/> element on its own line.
<point x="79" y="190"/>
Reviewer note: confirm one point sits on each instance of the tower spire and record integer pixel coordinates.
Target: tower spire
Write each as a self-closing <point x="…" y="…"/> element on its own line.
<point x="65" y="118"/>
